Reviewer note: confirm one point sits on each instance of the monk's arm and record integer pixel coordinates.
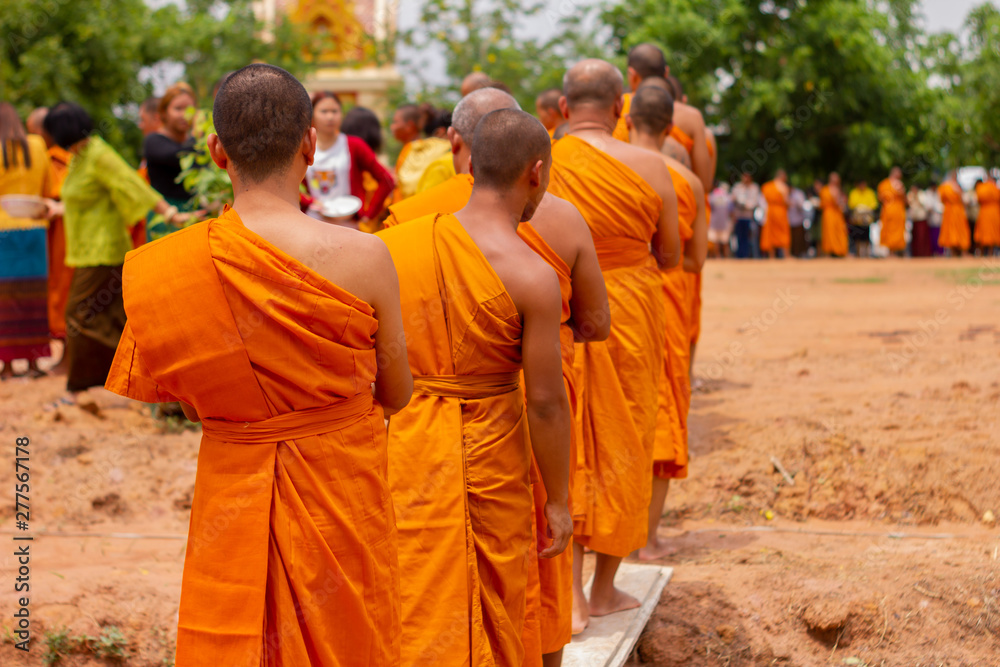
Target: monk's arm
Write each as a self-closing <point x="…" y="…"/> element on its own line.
<point x="590" y="316"/>
<point x="549" y="419"/>
<point x="666" y="242"/>
<point x="394" y="382"/>
<point x="700" y="158"/>
<point x="696" y="250"/>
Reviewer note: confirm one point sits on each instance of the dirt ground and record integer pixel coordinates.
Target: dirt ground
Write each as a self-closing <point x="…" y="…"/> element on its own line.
<point x="839" y="511"/>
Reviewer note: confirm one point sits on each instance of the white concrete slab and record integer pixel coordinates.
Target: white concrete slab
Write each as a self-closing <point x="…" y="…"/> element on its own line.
<point x="608" y="640"/>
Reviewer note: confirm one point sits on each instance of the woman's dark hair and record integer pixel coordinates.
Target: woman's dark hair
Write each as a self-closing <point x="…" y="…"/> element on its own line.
<point x="67" y="123"/>
<point x="321" y="95"/>
<point x="441" y="118"/>
<point x="364" y="124"/>
<point x="12" y="133"/>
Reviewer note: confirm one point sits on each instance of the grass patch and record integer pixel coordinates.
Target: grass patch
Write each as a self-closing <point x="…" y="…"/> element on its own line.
<point x="985" y="275"/>
<point x="111" y="645"/>
<point x="867" y="280"/>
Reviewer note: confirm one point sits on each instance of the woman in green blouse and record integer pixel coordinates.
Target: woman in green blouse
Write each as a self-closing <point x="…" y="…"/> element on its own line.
<point x="102" y="199"/>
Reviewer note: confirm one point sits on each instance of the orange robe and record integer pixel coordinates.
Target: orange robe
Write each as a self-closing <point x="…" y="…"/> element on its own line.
<point x="988" y="222"/>
<point x="459" y="455"/>
<point x="954" y="223"/>
<point x="775" y="233"/>
<point x="397" y="194"/>
<point x="682" y="137"/>
<point x="670" y="452"/>
<point x="291" y="554"/>
<point x="621" y="129"/>
<point x="618" y="378"/>
<point x="548" y="624"/>
<point x="60" y="275"/>
<point x="893" y="217"/>
<point x="833" y="227"/>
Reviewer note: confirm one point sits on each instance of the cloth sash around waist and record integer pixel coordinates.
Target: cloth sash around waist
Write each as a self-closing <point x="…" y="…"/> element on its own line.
<point x="616" y="252"/>
<point x="291" y="425"/>
<point x="466" y="386"/>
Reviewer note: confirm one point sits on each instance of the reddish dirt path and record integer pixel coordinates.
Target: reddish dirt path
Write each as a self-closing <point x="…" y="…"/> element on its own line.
<point x="877" y="387"/>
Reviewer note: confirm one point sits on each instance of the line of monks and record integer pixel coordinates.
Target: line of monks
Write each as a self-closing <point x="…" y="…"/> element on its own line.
<point x="403" y="433"/>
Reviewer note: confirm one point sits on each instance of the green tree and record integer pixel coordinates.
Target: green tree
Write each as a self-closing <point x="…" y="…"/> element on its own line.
<point x="810" y="86"/>
<point x="490" y="37"/>
<point x="93" y="51"/>
<point x="978" y="86"/>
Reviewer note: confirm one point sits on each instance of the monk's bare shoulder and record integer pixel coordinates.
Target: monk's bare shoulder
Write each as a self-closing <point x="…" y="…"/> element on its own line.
<point x="688" y="118"/>
<point x="528" y="279"/>
<point x="563" y="227"/>
<point x="674" y="150"/>
<point x="358" y="262"/>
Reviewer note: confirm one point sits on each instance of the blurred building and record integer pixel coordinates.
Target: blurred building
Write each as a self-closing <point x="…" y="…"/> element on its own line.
<point x="355" y="50"/>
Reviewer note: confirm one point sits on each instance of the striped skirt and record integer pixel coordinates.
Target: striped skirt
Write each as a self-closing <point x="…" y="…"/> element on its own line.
<point x="24" y="320"/>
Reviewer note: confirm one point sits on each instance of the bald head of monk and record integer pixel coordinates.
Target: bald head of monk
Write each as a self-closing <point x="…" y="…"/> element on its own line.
<point x="645" y="60"/>
<point x="781" y="175"/>
<point x="474" y="82"/>
<point x="592" y="92"/>
<point x="547" y="108"/>
<point x="511" y="156"/>
<point x="651" y="114"/>
<point x="676" y="89"/>
<point x="896" y="174"/>
<point x="263" y="125"/>
<point x="834" y="179"/>
<point x="467" y="114"/>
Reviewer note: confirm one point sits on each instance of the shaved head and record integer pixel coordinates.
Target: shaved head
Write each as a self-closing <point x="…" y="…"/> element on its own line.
<point x="594" y="83"/>
<point x="658" y="82"/>
<point x="409" y="113"/>
<point x="549" y="99"/>
<point x="652" y="109"/>
<point x="471" y="109"/>
<point x="896" y="172"/>
<point x="647" y="60"/>
<point x="261" y="115"/>
<point x="507" y="143"/>
<point x="474" y="82"/>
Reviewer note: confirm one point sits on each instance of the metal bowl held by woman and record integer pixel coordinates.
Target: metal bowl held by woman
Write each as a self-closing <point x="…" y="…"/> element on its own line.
<point x="23" y="206"/>
<point x="341" y="209"/>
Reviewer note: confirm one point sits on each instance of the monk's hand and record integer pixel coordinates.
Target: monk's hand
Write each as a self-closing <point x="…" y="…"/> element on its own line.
<point x="53" y="208"/>
<point x="560" y="529"/>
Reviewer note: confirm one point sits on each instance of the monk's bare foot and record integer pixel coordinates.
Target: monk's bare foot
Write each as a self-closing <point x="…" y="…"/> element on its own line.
<point x="655" y="549"/>
<point x="581" y="614"/>
<point x="617" y="601"/>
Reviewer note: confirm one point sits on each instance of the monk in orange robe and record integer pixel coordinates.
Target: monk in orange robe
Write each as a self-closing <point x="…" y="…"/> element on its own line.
<point x="954" y="233"/>
<point x="775" y="233"/>
<point x="478" y="306"/>
<point x="557" y="233"/>
<point x="649" y="122"/>
<point x="833" y="226"/>
<point x="647" y="60"/>
<point x="633" y="219"/>
<point x="988" y="222"/>
<point x="547" y="109"/>
<point x="892" y="195"/>
<point x="405" y="127"/>
<point x="291" y="556"/>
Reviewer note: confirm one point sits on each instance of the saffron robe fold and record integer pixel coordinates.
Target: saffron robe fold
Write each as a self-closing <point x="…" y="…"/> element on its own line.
<point x="670" y="452"/>
<point x="621" y="129"/>
<point x="617" y="379"/>
<point x="552" y="601"/>
<point x="954" y="223"/>
<point x="775" y="233"/>
<point x="459" y="456"/>
<point x="683" y="138"/>
<point x="892" y="235"/>
<point x="291" y="555"/>
<point x="988" y="222"/>
<point x="548" y="622"/>
<point x="833" y="227"/>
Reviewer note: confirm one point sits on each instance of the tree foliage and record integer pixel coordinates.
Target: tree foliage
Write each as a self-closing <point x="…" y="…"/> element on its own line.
<point x="501" y="38"/>
<point x="811" y="86"/>
<point x="94" y="52"/>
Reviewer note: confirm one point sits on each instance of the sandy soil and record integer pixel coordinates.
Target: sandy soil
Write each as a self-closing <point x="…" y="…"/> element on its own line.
<point x="875" y="385"/>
